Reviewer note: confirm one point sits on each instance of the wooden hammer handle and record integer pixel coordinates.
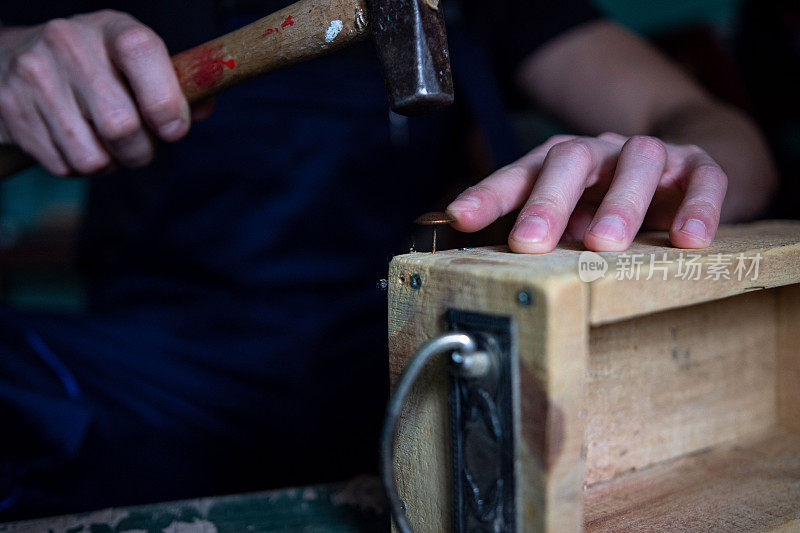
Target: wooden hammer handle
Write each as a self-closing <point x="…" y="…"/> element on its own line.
<point x="299" y="32"/>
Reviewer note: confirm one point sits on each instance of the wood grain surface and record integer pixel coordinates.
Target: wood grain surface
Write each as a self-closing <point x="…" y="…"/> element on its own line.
<point x="611" y="299"/>
<point x="788" y="344"/>
<point x="744" y="487"/>
<point x="672" y="383"/>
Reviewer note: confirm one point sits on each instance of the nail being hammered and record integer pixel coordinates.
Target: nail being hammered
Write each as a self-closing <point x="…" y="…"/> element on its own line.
<point x="434" y="219"/>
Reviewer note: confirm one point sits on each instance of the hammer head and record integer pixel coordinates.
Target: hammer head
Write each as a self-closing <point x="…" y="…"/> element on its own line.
<point x="412" y="47"/>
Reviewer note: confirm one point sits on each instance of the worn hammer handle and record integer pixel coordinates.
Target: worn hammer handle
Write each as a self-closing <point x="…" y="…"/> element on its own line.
<point x="297" y="33"/>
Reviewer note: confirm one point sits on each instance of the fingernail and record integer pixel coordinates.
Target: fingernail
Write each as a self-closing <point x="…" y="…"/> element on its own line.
<point x="695" y="228"/>
<point x="610" y="227"/>
<point x="177" y="126"/>
<point x="465" y="203"/>
<point x="531" y="228"/>
<point x="172" y="129"/>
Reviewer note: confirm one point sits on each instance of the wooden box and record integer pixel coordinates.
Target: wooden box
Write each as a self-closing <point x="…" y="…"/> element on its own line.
<point x="661" y="404"/>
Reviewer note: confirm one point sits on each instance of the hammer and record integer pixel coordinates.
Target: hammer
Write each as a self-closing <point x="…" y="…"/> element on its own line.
<point x="409" y="35"/>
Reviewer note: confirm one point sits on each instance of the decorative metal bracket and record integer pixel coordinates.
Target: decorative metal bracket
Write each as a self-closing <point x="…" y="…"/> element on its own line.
<point x="482" y="429"/>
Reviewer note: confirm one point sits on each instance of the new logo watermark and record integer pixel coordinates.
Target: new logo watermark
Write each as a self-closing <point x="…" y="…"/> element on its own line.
<point x="591" y="266"/>
<point x="686" y="266"/>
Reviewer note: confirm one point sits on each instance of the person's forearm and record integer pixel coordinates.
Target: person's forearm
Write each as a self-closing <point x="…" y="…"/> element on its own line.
<point x="736" y="143"/>
<point x="601" y="77"/>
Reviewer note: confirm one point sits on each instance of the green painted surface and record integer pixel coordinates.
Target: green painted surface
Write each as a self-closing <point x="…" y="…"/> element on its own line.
<point x="354" y="507"/>
<point x="50" y="291"/>
<point x="655" y="16"/>
<point x="28" y="196"/>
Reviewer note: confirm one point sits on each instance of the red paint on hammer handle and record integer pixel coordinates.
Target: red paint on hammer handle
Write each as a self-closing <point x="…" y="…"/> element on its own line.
<point x="288" y="21"/>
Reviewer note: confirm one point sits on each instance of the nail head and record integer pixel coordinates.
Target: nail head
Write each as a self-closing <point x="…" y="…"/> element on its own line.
<point x="433" y="218"/>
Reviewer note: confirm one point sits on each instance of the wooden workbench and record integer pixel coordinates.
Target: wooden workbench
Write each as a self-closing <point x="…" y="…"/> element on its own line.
<point x="354" y="507"/>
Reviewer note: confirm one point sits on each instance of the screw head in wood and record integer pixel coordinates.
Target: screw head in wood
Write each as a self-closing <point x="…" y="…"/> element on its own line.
<point x="525" y="298"/>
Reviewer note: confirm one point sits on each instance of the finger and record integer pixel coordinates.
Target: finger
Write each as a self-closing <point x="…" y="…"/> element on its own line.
<point x="697" y="218"/>
<point x="569" y="168"/>
<point x="663" y="207"/>
<point x="116" y="119"/>
<point x="579" y="220"/>
<point x="27" y="130"/>
<point x="671" y="190"/>
<point x="640" y="166"/>
<point x="38" y="75"/>
<point x="143" y="58"/>
<point x="501" y="192"/>
<point x="99" y="90"/>
<point x="613" y="138"/>
<point x="67" y="126"/>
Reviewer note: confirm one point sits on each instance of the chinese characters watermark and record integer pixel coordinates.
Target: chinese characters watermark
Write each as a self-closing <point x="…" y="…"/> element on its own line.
<point x="686" y="266"/>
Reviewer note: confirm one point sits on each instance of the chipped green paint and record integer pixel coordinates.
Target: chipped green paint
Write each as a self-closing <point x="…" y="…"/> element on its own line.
<point x="352" y="507"/>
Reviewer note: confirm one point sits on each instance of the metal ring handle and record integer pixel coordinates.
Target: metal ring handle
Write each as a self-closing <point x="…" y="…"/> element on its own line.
<point x="461" y="343"/>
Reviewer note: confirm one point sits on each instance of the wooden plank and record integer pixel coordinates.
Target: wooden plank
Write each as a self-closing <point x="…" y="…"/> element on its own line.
<point x="551" y="350"/>
<point x="751" y="486"/>
<point x="422" y="467"/>
<point x="611" y="299"/>
<point x="551" y="407"/>
<point x="788" y="387"/>
<point x="777" y="243"/>
<point x="672" y="383"/>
